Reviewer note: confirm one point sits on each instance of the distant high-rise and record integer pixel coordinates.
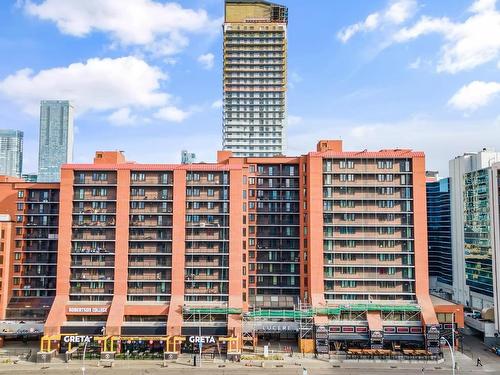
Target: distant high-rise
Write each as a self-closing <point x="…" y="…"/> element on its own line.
<point x="11" y="152"/>
<point x="255" y="61"/>
<point x="187" y="157"/>
<point x="56" y="138"/>
<point x="475" y="231"/>
<point x="439" y="236"/>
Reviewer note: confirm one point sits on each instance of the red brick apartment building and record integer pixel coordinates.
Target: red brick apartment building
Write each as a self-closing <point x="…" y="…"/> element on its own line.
<point x="328" y="248"/>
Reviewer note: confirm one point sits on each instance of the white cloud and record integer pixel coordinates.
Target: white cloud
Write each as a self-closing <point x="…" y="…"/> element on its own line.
<point x="217" y="104"/>
<point x="468" y="44"/>
<point x="396" y="13"/>
<point x="475" y="95"/>
<point x="294" y="120"/>
<point x="171" y="114"/>
<point x="129" y="22"/>
<point x="122" y="117"/>
<point x="207" y="60"/>
<point x="97" y="84"/>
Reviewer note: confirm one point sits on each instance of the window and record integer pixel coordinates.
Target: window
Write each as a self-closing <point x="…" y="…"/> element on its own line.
<point x="138" y="176"/>
<point x="20" y="194"/>
<point x="99" y="176"/>
<point x="349" y="164"/>
<point x="100" y="192"/>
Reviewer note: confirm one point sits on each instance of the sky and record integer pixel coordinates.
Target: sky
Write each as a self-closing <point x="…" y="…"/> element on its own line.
<point x="145" y="76"/>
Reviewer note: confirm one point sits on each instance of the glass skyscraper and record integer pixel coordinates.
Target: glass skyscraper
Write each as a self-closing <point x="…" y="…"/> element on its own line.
<point x="56" y="138"/>
<point x="478" y="232"/>
<point x="439" y="233"/>
<point x="255" y="60"/>
<point x="11" y="152"/>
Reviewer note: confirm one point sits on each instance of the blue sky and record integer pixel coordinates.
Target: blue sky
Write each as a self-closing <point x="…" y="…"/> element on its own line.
<point x="145" y="75"/>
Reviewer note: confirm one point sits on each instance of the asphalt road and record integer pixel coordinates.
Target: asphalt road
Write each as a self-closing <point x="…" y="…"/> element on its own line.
<point x="474" y="347"/>
<point x="205" y="371"/>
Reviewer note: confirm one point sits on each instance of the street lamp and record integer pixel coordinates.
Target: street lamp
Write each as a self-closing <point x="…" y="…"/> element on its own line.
<point x="83" y="358"/>
<point x="443" y="341"/>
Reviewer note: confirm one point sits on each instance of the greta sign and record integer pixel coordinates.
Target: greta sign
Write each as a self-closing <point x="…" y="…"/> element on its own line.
<point x="201" y="339"/>
<point x="77" y="339"/>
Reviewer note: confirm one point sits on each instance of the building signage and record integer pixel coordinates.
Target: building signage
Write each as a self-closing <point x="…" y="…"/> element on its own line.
<point x="276" y="327"/>
<point x="77" y="339"/>
<point x="88" y="310"/>
<point x="201" y="339"/>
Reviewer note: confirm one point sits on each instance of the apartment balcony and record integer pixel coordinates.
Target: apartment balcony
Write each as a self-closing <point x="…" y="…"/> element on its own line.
<point x="205" y="236"/>
<point x="151" y="249"/>
<point x="198" y="291"/>
<point x="43" y="197"/>
<point x="397" y="208"/>
<point x="216" y="210"/>
<point x="204" y="223"/>
<point x="367" y="249"/>
<point x="291" y="184"/>
<point x="151" y="195"/>
<point x="337" y="288"/>
<point x="251" y="69"/>
<point x="204" y="262"/>
<point x="38" y="271"/>
<point x="203" y="180"/>
<point x="147" y="290"/>
<point x="89" y="180"/>
<point x="271" y="220"/>
<point x="152" y="179"/>
<point x="35" y="283"/>
<point x="150" y="276"/>
<point x="94" y="198"/>
<point x="45" y="211"/>
<point x="36" y="221"/>
<point x="152" y="208"/>
<point x="39" y="259"/>
<point x="99" y="224"/>
<point x="371" y="182"/>
<point x="91" y="263"/>
<point x="205" y="277"/>
<point x="363" y="222"/>
<point x="207" y="250"/>
<point x="203" y="196"/>
<point x="150" y="263"/>
<point x="91" y="276"/>
<point x="398" y="275"/>
<point x="85" y="236"/>
<point x="365" y="236"/>
<point x="91" y="290"/>
<point x="85" y="250"/>
<point x="40" y="234"/>
<point x="87" y="210"/>
<point x="359" y="194"/>
<point x="278" y="208"/>
<point x="148" y="223"/>
<point x="41" y="248"/>
<point x="277" y="257"/>
<point x="151" y="237"/>
<point x="366" y="261"/>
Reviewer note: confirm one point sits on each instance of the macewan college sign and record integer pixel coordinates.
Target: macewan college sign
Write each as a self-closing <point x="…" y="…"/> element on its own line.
<point x="88" y="310"/>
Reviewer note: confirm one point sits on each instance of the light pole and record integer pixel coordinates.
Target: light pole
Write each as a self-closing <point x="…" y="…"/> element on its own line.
<point x="443" y="341"/>
<point x="83" y="358"/>
<point x="200" y="344"/>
